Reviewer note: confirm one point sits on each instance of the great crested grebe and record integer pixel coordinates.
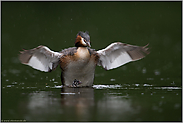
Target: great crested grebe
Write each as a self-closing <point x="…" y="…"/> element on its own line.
<point x="78" y="63"/>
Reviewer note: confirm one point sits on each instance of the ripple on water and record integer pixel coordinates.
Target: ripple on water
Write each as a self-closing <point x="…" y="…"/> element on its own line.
<point x="125" y="86"/>
<point x="116" y="86"/>
<point x="171" y="88"/>
<point x="68" y="93"/>
<point x="106" y="86"/>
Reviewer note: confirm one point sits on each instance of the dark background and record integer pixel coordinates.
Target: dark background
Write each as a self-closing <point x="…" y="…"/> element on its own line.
<point x="25" y="25"/>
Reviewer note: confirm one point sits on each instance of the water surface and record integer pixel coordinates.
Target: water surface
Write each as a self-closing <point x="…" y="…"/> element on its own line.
<point x="146" y="90"/>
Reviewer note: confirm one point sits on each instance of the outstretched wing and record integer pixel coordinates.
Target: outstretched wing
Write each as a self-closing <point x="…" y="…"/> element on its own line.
<point x="40" y="58"/>
<point x="119" y="53"/>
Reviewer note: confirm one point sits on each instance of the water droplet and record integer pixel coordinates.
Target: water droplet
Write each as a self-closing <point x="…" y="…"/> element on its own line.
<point x="173" y="83"/>
<point x="14" y="71"/>
<point x="137" y="84"/>
<point x="157" y="72"/>
<point x="9" y="86"/>
<point x="112" y="79"/>
<point x="147" y="85"/>
<point x="160" y="103"/>
<point x="14" y="82"/>
<point x="150" y="78"/>
<point x="144" y="70"/>
<point x="155" y="108"/>
<point x="177" y="105"/>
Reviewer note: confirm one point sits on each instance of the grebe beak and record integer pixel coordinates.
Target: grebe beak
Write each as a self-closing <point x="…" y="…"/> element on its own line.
<point x="88" y="44"/>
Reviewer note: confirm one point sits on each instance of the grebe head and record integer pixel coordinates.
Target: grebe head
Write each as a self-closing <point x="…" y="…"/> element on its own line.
<point x="82" y="39"/>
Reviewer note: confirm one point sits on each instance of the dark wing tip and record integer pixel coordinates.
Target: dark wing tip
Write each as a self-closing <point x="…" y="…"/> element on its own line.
<point x="146" y="45"/>
<point x="146" y="49"/>
<point x="25" y="56"/>
<point x="139" y="52"/>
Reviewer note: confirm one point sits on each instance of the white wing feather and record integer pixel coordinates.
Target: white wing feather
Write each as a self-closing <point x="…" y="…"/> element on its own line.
<point x="40" y="58"/>
<point x="118" y="54"/>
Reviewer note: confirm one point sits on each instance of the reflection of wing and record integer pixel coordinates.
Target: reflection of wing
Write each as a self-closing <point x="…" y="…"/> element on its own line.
<point x="41" y="58"/>
<point x="119" y="53"/>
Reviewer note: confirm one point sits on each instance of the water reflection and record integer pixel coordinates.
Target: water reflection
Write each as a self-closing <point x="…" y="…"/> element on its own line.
<point x="78" y="104"/>
<point x="79" y="97"/>
<point x="116" y="108"/>
<point x="82" y="99"/>
<point x="42" y="106"/>
<point x="135" y="102"/>
<point x="73" y="102"/>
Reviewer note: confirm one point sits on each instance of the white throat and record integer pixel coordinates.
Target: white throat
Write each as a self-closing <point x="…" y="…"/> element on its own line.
<point x="83" y="42"/>
<point x="83" y="53"/>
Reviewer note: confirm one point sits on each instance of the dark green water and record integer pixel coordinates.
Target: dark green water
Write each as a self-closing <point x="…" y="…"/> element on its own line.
<point x="146" y="90"/>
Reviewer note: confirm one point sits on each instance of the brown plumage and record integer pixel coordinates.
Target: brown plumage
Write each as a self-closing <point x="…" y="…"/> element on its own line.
<point x="78" y="63"/>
